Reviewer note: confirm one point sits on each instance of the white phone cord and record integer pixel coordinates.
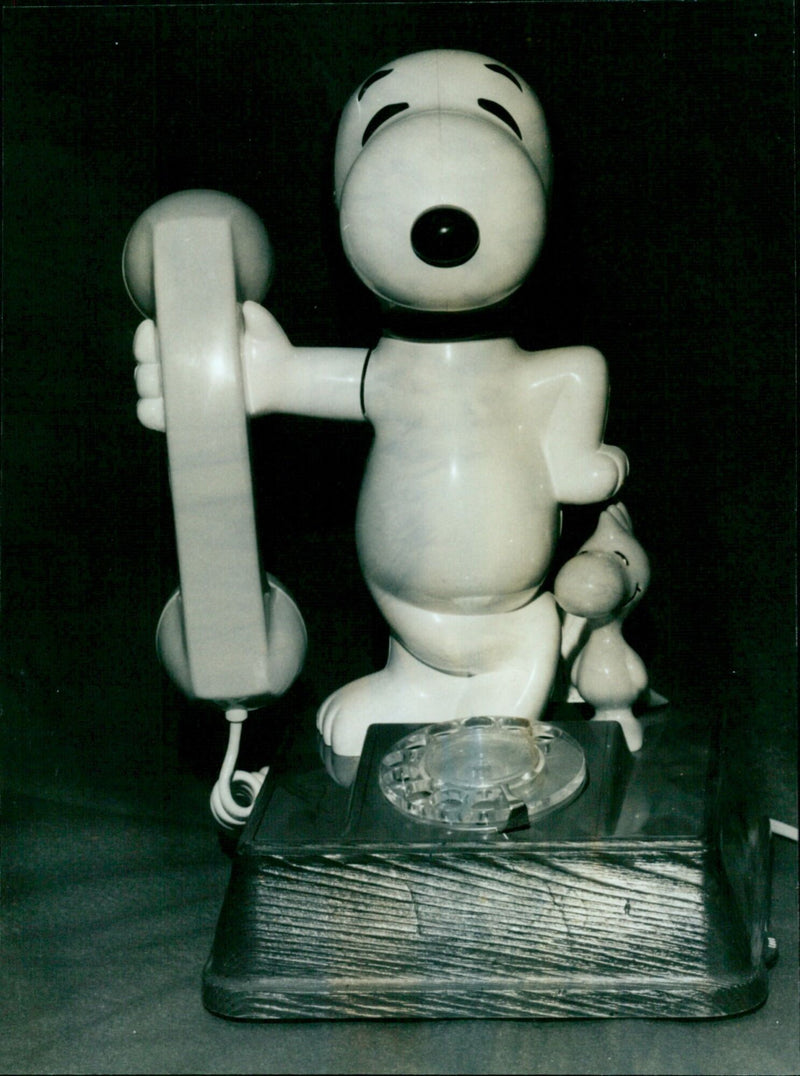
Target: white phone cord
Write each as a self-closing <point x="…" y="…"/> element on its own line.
<point x="226" y="809"/>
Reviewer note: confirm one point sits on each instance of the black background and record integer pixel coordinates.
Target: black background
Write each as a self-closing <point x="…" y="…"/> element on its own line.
<point x="670" y="248"/>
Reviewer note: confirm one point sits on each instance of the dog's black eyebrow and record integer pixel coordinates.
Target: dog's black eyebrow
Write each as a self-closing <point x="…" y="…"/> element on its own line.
<point x="381" y="116"/>
<point x="374" y="78"/>
<point x="504" y="71"/>
<point x="502" y="114"/>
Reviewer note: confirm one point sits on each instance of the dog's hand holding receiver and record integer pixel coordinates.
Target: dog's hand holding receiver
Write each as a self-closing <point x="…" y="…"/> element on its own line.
<point x="441" y="176"/>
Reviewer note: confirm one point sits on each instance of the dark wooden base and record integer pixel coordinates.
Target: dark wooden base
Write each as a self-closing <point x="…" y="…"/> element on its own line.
<point x="646" y="896"/>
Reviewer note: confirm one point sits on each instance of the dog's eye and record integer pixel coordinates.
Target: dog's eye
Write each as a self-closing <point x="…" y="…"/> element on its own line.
<point x="381" y="116"/>
<point x="501" y="113"/>
<point x="621" y="556"/>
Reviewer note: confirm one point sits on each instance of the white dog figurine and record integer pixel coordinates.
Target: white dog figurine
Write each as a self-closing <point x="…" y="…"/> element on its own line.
<point x="441" y="177"/>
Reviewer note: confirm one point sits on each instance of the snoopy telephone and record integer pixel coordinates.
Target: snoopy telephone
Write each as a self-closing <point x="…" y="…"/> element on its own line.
<point x="442" y="174"/>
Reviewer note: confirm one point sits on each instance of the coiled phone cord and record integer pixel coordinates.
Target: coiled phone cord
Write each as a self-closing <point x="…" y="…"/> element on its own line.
<point x="234" y="794"/>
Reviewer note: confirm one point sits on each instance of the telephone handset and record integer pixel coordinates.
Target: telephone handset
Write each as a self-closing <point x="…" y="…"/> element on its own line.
<point x="189" y="261"/>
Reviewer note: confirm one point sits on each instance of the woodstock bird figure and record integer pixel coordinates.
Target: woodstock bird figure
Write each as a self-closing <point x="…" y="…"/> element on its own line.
<point x="597" y="589"/>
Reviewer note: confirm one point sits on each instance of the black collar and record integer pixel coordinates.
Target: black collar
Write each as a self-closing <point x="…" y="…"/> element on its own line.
<point x="432" y="326"/>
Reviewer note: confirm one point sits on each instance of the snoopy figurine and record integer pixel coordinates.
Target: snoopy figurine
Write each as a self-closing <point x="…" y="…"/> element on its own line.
<point x="597" y="589"/>
<point x="442" y="172"/>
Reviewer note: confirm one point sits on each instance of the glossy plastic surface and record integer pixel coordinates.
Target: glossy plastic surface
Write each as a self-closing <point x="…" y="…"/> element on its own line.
<point x="442" y="176"/>
<point x="477" y="442"/>
<point x="597" y="589"/>
<point x="442" y="130"/>
<point x="476" y="775"/>
<point x="286" y="637"/>
<point x="190" y="260"/>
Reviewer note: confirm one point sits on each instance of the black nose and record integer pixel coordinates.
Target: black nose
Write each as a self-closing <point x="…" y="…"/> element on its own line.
<point x="445" y="236"/>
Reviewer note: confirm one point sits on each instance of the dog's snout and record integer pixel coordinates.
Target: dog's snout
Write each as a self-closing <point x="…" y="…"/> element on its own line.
<point x="445" y="236"/>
